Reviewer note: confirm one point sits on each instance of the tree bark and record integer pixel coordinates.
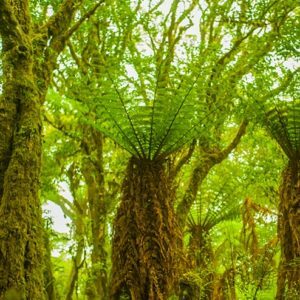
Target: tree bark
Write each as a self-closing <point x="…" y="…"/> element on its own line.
<point x="198" y="175"/>
<point x="200" y="258"/>
<point x="21" y="242"/>
<point x="28" y="63"/>
<point x="146" y="237"/>
<point x="77" y="258"/>
<point x="93" y="173"/>
<point x="288" y="282"/>
<point x="49" y="280"/>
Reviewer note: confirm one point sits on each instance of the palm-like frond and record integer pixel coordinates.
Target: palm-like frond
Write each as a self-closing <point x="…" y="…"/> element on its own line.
<point x="154" y="128"/>
<point x="208" y="213"/>
<point x="283" y="123"/>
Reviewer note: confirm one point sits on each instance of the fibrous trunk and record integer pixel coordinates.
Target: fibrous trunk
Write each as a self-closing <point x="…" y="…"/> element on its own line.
<point x="146" y="237"/>
<point x="288" y="284"/>
<point x="200" y="257"/>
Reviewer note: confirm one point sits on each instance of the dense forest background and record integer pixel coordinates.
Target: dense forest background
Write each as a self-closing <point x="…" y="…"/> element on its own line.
<point x="166" y="136"/>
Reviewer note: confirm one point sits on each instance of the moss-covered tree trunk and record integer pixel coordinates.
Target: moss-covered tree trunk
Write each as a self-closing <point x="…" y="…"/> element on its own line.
<point x="77" y="259"/>
<point x="94" y="177"/>
<point x="49" y="280"/>
<point x="20" y="213"/>
<point x="21" y="242"/>
<point x="146" y="237"/>
<point x="288" y="283"/>
<point x="29" y="55"/>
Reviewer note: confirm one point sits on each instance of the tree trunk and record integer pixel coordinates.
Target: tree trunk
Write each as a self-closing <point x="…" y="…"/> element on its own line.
<point x="29" y="58"/>
<point x="200" y="256"/>
<point x="146" y="237"/>
<point x="94" y="177"/>
<point x="48" y="272"/>
<point x="224" y="287"/>
<point x="210" y="156"/>
<point x="198" y="175"/>
<point x="21" y="242"/>
<point x="77" y="258"/>
<point x="288" y="282"/>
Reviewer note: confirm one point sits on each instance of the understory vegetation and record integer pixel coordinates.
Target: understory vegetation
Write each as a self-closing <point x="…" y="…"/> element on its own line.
<point x="149" y="150"/>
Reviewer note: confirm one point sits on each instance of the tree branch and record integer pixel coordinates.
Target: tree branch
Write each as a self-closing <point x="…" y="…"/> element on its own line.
<point x="80" y="63"/>
<point x="10" y="26"/>
<point x="60" y="21"/>
<point x="183" y="160"/>
<point x="62" y="129"/>
<point x="241" y="132"/>
<point x="86" y="16"/>
<point x="61" y="202"/>
<point x="207" y="160"/>
<point x="284" y="84"/>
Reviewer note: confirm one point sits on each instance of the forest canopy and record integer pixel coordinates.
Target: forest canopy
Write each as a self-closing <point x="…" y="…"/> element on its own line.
<point x="149" y="149"/>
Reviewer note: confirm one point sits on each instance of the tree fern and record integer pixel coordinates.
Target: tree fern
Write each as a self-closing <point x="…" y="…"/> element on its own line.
<point x="283" y="123"/>
<point x="149" y="129"/>
<point x="209" y="212"/>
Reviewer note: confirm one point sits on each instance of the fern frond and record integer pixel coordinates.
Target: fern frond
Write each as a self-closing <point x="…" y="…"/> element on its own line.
<point x="213" y="208"/>
<point x="283" y="123"/>
<point x="151" y="129"/>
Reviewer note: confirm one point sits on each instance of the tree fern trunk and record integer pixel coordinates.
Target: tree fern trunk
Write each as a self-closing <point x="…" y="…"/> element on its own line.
<point x="146" y="237"/>
<point x="288" y="283"/>
<point x="200" y="256"/>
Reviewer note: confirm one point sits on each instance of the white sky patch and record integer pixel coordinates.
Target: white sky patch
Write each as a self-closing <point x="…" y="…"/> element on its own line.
<point x="291" y="64"/>
<point x="65" y="191"/>
<point x="226" y="42"/>
<point x="231" y="156"/>
<point x="279" y="72"/>
<point x="50" y="11"/>
<point x="165" y="7"/>
<point x="194" y="29"/>
<point x="249" y="78"/>
<point x="131" y="72"/>
<point x="286" y="98"/>
<point x="60" y="221"/>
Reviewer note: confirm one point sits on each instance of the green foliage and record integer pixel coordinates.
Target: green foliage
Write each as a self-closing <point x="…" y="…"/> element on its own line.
<point x="283" y="123"/>
<point x="149" y="129"/>
<point x="153" y="76"/>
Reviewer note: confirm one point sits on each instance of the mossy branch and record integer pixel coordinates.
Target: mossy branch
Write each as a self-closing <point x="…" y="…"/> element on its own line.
<point x="241" y="132"/>
<point x="183" y="160"/>
<point x="10" y="26"/>
<point x="85" y="17"/>
<point x="59" y="22"/>
<point x="209" y="159"/>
